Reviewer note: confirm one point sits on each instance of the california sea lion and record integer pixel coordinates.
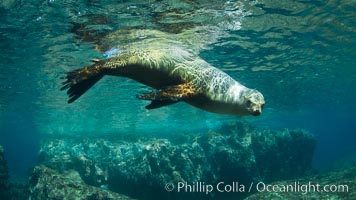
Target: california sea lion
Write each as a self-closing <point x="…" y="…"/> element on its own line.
<point x="176" y="73"/>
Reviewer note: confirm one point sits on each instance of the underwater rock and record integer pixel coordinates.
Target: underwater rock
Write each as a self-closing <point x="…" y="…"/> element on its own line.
<point x="7" y="4"/>
<point x="48" y="184"/>
<point x="4" y="177"/>
<point x="8" y="189"/>
<point x="282" y="155"/>
<point x="333" y="185"/>
<point x="236" y="152"/>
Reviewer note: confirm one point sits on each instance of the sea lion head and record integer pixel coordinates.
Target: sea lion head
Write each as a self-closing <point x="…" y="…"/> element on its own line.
<point x="253" y="101"/>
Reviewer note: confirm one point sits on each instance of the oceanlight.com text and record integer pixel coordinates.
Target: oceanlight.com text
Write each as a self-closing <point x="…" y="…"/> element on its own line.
<point x="302" y="188"/>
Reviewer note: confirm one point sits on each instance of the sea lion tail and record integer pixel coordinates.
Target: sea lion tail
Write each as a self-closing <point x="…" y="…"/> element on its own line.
<point x="80" y="80"/>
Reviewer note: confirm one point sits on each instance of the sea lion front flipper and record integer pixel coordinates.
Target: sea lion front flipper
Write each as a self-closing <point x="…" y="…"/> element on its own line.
<point x="157" y="104"/>
<point x="169" y="95"/>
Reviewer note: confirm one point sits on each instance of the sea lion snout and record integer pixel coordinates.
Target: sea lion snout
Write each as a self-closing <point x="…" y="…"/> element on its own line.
<point x="257" y="111"/>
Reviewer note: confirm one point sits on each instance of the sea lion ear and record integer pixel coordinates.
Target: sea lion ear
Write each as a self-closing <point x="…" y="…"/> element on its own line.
<point x="246" y="95"/>
<point x="246" y="100"/>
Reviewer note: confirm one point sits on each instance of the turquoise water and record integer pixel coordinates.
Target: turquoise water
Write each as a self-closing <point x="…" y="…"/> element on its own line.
<point x="299" y="54"/>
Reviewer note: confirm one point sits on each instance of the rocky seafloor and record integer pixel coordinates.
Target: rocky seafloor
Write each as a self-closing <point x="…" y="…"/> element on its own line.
<point x="146" y="167"/>
<point x="336" y="185"/>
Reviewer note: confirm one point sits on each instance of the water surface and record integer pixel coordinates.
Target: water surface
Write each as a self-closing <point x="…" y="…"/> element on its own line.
<point x="299" y="54"/>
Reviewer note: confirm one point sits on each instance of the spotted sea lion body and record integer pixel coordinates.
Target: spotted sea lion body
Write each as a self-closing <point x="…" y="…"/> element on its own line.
<point x="176" y="73"/>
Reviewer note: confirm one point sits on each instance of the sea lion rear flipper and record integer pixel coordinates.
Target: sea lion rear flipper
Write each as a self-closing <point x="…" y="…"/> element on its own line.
<point x="169" y="95"/>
